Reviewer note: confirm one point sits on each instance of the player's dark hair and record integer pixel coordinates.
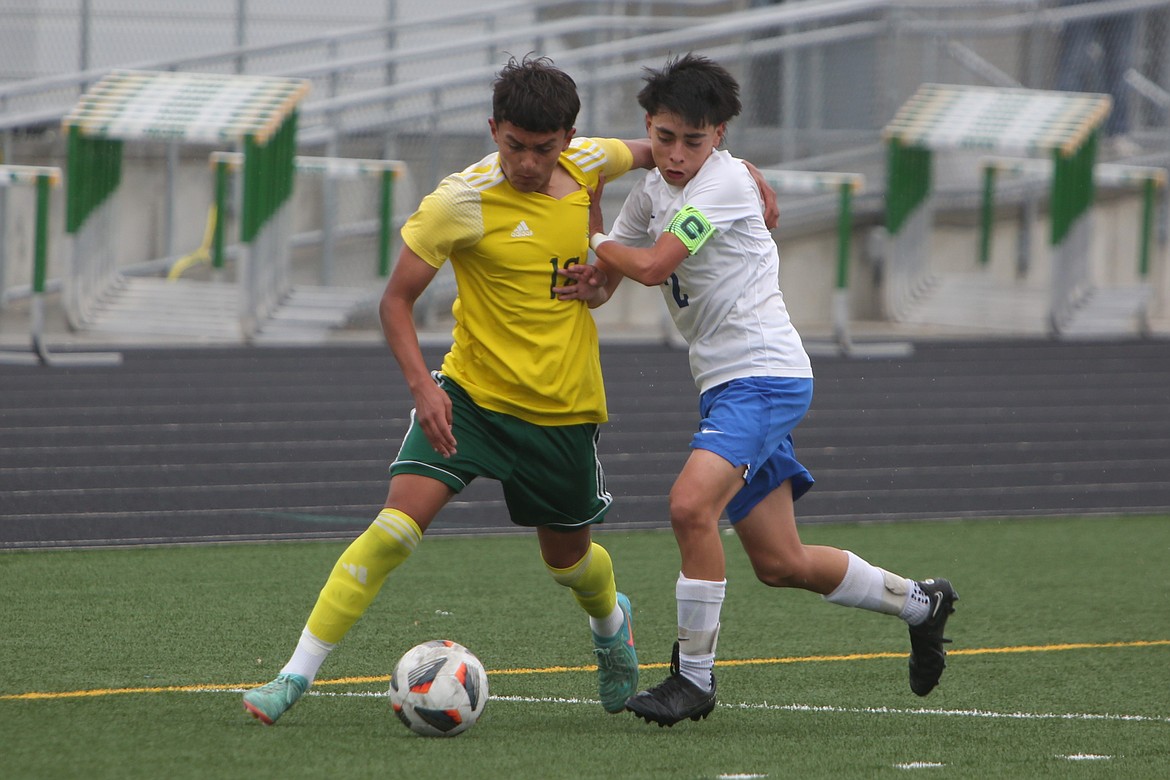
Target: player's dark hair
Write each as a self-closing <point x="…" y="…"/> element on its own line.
<point x="535" y="95"/>
<point x="697" y="89"/>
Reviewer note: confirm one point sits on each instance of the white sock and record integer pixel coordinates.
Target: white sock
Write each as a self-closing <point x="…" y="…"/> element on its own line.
<point x="311" y="652"/>
<point x="866" y="586"/>
<point x="608" y="626"/>
<point x="697" y="669"/>
<point x="917" y="608"/>
<point x="699" y="605"/>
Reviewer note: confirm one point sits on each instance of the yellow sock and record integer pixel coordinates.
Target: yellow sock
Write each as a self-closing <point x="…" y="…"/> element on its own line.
<point x="591" y="580"/>
<point x="359" y="573"/>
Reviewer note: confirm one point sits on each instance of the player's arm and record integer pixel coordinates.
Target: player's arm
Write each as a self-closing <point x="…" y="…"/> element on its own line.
<point x="640" y="148"/>
<point x="650" y="266"/>
<point x="644" y="158"/>
<point x="432" y="406"/>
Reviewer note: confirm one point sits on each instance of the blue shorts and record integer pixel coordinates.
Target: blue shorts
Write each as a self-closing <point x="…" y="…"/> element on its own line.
<point x="749" y="422"/>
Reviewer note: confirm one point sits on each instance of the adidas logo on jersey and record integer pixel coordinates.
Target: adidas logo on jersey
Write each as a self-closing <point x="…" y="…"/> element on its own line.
<point x="522" y="230"/>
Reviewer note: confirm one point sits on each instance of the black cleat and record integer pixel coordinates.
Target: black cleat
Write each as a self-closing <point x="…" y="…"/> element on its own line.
<point x="675" y="698"/>
<point x="927" y="656"/>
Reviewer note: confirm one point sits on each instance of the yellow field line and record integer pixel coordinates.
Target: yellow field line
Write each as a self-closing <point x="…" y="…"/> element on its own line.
<point x="97" y="692"/>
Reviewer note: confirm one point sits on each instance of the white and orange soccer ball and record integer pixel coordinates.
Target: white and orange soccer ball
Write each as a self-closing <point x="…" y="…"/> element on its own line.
<point x="438" y="689"/>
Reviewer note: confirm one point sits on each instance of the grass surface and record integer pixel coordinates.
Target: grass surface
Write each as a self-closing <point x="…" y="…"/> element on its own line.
<point x="128" y="663"/>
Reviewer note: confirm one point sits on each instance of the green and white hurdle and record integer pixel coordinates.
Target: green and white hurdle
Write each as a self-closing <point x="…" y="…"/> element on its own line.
<point x="1126" y="303"/>
<point x="255" y="114"/>
<point x="386" y="172"/>
<point x="310" y="308"/>
<point x="845" y="186"/>
<point x="43" y="179"/>
<point x="1061" y="126"/>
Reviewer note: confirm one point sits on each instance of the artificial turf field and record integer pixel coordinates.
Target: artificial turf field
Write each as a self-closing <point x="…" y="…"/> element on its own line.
<point x="129" y="662"/>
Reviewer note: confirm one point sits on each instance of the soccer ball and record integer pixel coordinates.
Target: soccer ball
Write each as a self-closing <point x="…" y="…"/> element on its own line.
<point x="438" y="689"/>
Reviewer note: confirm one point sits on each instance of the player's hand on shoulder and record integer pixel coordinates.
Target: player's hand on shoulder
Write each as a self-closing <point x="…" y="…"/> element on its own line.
<point x="767" y="195"/>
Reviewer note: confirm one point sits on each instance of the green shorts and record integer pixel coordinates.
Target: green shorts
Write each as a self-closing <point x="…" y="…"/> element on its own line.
<point x="550" y="473"/>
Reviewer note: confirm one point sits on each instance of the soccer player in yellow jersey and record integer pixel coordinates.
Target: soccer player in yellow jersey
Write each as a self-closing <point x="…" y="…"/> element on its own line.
<point x="519" y="396"/>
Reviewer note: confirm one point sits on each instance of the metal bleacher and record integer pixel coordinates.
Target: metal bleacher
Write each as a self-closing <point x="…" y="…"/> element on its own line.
<point x="376" y="93"/>
<point x="604" y="50"/>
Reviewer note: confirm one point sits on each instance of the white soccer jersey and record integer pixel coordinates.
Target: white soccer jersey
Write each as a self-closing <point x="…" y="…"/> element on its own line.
<point x="725" y="298"/>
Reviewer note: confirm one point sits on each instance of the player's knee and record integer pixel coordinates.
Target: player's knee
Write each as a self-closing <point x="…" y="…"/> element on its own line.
<point x="688" y="514"/>
<point x="780" y="572"/>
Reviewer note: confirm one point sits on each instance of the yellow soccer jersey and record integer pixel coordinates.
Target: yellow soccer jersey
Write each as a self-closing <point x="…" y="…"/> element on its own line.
<point x="517" y="349"/>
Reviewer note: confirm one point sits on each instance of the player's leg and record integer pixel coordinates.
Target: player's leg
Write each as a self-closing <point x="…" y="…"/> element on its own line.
<point x="743" y="421"/>
<point x="780" y="559"/>
<point x="354" y="581"/>
<point x="705" y="485"/>
<point x="421" y="483"/>
<point x="557" y="484"/>
<point x="585" y="567"/>
<point x="411" y="505"/>
<point x="703" y="488"/>
<point x="697" y="498"/>
<point x="924" y="605"/>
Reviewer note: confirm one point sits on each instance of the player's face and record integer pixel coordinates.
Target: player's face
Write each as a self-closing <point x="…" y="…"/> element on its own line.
<point x="528" y="159"/>
<point x="680" y="149"/>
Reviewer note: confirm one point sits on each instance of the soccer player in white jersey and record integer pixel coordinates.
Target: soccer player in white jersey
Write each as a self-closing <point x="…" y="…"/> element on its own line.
<point x="693" y="226"/>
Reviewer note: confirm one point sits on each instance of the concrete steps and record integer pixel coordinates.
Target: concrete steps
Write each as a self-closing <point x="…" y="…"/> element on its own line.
<point x="207" y="312"/>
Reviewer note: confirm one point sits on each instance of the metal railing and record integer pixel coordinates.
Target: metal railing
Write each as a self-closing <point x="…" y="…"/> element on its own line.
<point x="325" y="49"/>
<point x="819" y="78"/>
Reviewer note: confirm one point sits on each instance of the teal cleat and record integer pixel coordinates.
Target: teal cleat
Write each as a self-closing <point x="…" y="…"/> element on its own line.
<point x="617" y="662"/>
<point x="268" y="702"/>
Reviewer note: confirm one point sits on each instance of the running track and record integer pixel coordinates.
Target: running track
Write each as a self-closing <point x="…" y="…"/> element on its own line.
<point x="226" y="444"/>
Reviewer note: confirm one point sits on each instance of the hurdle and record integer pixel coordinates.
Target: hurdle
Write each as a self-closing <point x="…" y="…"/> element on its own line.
<point x="388" y="172"/>
<point x="43" y="179"/>
<point x="255" y="114"/>
<point x="1062" y="126"/>
<point x="1128" y="302"/>
<point x="307" y="311"/>
<point x="845" y="186"/>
